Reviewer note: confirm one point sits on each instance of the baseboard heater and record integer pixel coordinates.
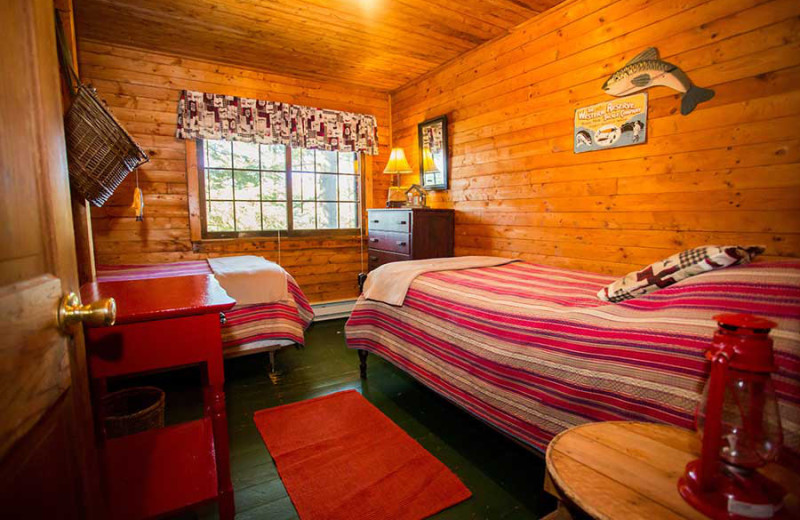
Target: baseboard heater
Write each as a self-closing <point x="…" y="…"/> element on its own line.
<point x="332" y="310"/>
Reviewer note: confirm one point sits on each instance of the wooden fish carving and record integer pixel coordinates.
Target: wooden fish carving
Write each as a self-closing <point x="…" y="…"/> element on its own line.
<point x="647" y="70"/>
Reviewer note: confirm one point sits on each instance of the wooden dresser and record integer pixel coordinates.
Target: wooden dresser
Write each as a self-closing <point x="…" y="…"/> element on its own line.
<point x="409" y="234"/>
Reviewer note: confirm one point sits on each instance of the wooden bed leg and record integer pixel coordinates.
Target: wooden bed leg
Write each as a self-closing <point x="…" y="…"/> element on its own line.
<point x="272" y="369"/>
<point x="362" y="363"/>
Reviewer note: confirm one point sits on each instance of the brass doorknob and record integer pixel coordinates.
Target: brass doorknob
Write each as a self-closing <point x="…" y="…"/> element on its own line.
<point x="98" y="313"/>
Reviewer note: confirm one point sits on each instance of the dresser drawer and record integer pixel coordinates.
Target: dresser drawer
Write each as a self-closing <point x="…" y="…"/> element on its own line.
<point x="390" y="220"/>
<point x="378" y="258"/>
<point x="389" y="241"/>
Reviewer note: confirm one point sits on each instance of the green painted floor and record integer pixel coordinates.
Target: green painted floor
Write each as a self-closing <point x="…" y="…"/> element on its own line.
<point x="505" y="479"/>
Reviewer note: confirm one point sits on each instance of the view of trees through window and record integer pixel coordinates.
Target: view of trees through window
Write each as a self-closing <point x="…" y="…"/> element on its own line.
<point x="252" y="188"/>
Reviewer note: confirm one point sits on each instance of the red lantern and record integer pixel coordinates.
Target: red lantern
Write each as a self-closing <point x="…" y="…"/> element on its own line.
<point x="740" y="426"/>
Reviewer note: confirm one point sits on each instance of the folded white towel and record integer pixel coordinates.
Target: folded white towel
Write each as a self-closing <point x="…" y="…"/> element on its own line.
<point x="250" y="279"/>
<point x="389" y="283"/>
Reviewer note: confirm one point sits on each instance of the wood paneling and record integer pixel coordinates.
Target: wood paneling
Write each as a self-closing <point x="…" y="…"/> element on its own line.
<point x="142" y="89"/>
<point x="727" y="173"/>
<point x="379" y="43"/>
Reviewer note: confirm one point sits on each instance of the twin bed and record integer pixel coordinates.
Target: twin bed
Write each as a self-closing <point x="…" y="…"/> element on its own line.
<point x="248" y="328"/>
<point x="532" y="351"/>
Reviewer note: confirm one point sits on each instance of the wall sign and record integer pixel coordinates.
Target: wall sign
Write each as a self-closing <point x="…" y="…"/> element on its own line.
<point x="611" y="124"/>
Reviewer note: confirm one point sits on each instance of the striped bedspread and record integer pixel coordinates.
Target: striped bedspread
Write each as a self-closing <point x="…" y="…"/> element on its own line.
<point x="532" y="351"/>
<point x="245" y="324"/>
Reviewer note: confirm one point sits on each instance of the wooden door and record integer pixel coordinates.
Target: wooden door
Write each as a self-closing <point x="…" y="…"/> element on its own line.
<point x="47" y="452"/>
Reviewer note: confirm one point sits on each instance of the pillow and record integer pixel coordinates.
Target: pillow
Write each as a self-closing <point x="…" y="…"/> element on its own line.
<point x="676" y="268"/>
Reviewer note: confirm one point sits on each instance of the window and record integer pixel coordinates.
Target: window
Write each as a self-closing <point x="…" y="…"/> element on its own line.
<point x="251" y="189"/>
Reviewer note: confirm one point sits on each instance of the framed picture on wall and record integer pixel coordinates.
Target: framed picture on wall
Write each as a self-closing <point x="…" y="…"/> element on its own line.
<point x="433" y="154"/>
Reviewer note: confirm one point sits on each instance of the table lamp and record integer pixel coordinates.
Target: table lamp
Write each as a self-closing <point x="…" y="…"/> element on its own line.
<point x="740" y="426"/>
<point x="397" y="165"/>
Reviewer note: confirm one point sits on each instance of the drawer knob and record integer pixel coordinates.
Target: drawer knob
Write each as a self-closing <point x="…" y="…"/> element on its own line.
<point x="403" y="222"/>
<point x="373" y="239"/>
<point x="401" y="243"/>
<point x="376" y="221"/>
<point x="374" y="258"/>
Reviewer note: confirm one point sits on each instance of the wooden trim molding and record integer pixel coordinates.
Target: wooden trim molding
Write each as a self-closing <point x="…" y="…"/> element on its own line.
<point x="193" y="187"/>
<point x="81" y="211"/>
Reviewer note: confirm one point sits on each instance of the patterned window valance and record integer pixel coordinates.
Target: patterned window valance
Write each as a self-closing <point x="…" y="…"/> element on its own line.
<point x="216" y="116"/>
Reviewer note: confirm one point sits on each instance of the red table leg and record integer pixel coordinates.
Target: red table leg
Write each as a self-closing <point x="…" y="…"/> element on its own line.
<point x="215" y="408"/>
<point x="214" y="397"/>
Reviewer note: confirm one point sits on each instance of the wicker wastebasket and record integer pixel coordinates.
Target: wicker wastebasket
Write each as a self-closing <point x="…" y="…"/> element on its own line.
<point x="133" y="410"/>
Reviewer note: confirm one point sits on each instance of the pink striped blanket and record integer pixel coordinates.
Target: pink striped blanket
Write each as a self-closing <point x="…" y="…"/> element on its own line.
<point x="245" y="324"/>
<point x="532" y="351"/>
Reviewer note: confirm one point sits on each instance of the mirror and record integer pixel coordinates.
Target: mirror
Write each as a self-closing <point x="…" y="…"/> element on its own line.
<point x="433" y="156"/>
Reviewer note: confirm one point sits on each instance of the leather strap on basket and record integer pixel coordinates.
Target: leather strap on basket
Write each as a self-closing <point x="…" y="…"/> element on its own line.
<point x="65" y="59"/>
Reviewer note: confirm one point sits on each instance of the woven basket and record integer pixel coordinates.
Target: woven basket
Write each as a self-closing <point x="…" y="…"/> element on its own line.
<point x="133" y="410"/>
<point x="100" y="152"/>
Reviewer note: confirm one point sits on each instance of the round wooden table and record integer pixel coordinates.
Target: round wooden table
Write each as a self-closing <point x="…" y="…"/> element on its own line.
<point x="627" y="470"/>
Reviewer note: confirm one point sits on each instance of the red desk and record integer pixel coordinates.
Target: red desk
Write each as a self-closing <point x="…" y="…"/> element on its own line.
<point x="165" y="323"/>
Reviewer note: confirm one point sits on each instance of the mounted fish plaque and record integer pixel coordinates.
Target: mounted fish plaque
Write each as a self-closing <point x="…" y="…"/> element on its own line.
<point x="647" y="70"/>
<point x="611" y="124"/>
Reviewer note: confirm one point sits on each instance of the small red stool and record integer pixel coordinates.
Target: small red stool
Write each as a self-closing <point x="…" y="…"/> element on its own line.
<point x="161" y="324"/>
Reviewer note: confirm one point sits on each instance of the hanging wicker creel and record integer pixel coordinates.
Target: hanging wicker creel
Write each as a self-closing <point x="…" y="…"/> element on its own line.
<point x="100" y="153"/>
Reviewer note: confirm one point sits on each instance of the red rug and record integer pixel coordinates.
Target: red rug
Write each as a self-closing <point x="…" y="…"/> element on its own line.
<point x="341" y="458"/>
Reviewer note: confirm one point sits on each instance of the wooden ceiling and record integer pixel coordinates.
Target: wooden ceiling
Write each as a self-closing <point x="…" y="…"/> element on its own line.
<point x="382" y="44"/>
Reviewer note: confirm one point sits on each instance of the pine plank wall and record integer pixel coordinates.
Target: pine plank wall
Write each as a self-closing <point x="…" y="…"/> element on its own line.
<point x="142" y="90"/>
<point x="727" y="173"/>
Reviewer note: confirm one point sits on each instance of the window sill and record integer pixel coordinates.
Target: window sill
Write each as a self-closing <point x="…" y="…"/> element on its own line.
<point x="228" y="244"/>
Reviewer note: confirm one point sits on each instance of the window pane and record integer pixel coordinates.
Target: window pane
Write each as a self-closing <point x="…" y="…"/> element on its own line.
<point x="273" y="157"/>
<point x="246" y="185"/>
<point x="326" y="187"/>
<point x="327" y="215"/>
<point x="347" y="215"/>
<point x="326" y="161"/>
<point x="274" y="215"/>
<point x="273" y="186"/>
<point x="303" y="215"/>
<point x="302" y="159"/>
<point x="347" y="162"/>
<point x="297" y="159"/>
<point x="303" y="186"/>
<point x="220" y="216"/>
<point x="308" y="160"/>
<point x="245" y="155"/>
<point x="348" y="187"/>
<point x="220" y="184"/>
<point x="248" y="216"/>
<point x="218" y="154"/>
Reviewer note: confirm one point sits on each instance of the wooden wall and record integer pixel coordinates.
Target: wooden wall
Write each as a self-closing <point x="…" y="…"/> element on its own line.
<point x="142" y="89"/>
<point x="727" y="173"/>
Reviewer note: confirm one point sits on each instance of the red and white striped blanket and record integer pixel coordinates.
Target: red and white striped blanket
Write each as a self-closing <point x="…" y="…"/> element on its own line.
<point x="532" y="351"/>
<point x="284" y="320"/>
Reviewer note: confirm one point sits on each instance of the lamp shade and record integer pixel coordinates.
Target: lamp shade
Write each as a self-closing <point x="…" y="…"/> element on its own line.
<point x="428" y="164"/>
<point x="397" y="163"/>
